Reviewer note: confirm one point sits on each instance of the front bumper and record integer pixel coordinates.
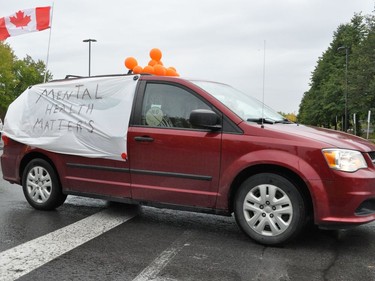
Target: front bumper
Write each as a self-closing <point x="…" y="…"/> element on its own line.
<point x="348" y="199"/>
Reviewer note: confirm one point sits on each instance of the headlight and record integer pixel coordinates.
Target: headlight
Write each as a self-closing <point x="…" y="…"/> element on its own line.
<point x="344" y="160"/>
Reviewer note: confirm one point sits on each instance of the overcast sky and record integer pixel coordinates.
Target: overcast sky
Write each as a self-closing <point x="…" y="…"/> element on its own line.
<point x="220" y="40"/>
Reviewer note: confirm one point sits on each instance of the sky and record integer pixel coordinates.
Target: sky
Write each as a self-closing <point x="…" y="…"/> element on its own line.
<point x="266" y="48"/>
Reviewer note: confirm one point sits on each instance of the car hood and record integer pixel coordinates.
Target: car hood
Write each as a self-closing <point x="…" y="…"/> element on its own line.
<point x="327" y="137"/>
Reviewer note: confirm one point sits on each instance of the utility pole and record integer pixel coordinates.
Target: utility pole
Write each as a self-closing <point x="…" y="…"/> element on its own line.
<point x="89" y="41"/>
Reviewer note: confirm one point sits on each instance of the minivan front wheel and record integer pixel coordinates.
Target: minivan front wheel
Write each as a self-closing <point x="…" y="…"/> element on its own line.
<point x="269" y="208"/>
<point x="41" y="186"/>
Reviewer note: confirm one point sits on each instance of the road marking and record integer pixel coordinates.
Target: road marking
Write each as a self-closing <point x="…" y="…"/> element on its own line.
<point x="151" y="272"/>
<point x="22" y="259"/>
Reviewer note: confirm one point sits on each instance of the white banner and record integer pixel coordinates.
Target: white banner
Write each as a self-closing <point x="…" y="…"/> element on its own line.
<point x="85" y="117"/>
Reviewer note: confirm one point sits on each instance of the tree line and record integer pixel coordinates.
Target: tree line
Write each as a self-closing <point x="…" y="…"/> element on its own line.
<point x="343" y="81"/>
<point x="16" y="75"/>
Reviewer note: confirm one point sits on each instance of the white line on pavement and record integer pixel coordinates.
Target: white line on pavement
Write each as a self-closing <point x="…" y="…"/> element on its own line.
<point x="22" y="259"/>
<point x="151" y="272"/>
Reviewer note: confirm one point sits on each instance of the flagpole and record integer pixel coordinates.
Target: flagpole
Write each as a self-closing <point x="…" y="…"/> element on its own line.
<point x="49" y="43"/>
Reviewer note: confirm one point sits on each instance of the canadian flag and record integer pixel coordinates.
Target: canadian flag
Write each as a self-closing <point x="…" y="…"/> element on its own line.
<point x="25" y="21"/>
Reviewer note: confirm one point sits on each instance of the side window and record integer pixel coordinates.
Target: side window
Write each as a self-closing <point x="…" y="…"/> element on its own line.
<point x="168" y="106"/>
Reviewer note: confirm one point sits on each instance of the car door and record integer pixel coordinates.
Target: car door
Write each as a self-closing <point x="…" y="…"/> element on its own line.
<point x="95" y="176"/>
<point x="171" y="162"/>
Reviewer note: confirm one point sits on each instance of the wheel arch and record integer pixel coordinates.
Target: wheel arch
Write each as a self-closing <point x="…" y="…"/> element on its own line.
<point x="34" y="155"/>
<point x="275" y="169"/>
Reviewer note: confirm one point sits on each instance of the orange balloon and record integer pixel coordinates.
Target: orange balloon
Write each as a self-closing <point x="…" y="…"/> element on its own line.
<point x="148" y="69"/>
<point x="137" y="69"/>
<point x="130" y="63"/>
<point x="171" y="67"/>
<point x="171" y="72"/>
<point x="152" y="62"/>
<point x="159" y="70"/>
<point x="155" y="54"/>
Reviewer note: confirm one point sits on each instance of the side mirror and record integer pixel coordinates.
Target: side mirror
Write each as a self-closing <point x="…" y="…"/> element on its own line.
<point x="205" y="119"/>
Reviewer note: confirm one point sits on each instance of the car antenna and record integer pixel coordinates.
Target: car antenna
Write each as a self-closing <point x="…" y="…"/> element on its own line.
<point x="264" y="78"/>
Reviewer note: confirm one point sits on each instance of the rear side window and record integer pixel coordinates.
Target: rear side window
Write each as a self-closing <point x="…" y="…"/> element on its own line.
<point x="169" y="106"/>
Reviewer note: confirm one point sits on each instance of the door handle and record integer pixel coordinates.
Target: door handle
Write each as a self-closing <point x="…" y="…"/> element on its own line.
<point x="144" y="139"/>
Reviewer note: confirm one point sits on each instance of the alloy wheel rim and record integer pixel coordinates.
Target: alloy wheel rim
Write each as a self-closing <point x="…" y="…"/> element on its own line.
<point x="39" y="184"/>
<point x="268" y="210"/>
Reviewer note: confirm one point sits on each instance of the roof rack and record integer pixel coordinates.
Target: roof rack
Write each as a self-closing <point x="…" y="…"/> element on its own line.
<point x="71" y="76"/>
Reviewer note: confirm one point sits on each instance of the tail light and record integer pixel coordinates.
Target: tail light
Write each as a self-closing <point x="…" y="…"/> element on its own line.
<point x="5" y="139"/>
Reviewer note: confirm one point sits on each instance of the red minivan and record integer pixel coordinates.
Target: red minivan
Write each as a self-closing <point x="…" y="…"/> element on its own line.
<point x="205" y="146"/>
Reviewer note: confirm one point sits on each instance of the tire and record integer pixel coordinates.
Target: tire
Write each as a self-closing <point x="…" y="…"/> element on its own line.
<point x="41" y="186"/>
<point x="269" y="209"/>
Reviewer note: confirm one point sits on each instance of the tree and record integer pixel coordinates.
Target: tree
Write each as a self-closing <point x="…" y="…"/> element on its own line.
<point x="29" y="72"/>
<point x="324" y="103"/>
<point x="7" y="76"/>
<point x="290" y="116"/>
<point x="16" y="75"/>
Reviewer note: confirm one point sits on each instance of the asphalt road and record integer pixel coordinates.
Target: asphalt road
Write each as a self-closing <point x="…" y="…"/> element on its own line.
<point x="88" y="239"/>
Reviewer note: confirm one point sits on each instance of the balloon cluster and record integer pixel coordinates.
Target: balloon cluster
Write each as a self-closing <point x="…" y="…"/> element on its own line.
<point x="155" y="65"/>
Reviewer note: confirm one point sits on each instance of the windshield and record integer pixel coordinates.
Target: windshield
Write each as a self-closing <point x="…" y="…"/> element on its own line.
<point x="246" y="107"/>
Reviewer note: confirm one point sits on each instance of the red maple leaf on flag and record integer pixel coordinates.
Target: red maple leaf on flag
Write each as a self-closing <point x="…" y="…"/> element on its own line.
<point x="20" y="20"/>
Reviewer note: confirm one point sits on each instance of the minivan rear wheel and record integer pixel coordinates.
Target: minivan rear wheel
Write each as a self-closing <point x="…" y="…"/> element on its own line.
<point x="41" y="186"/>
<point x="269" y="209"/>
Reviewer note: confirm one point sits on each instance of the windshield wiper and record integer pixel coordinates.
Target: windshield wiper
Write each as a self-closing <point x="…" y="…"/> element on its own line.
<point x="284" y="121"/>
<point x="261" y="120"/>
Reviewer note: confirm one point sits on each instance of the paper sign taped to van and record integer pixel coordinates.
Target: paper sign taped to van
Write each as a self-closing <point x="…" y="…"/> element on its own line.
<point x="86" y="117"/>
